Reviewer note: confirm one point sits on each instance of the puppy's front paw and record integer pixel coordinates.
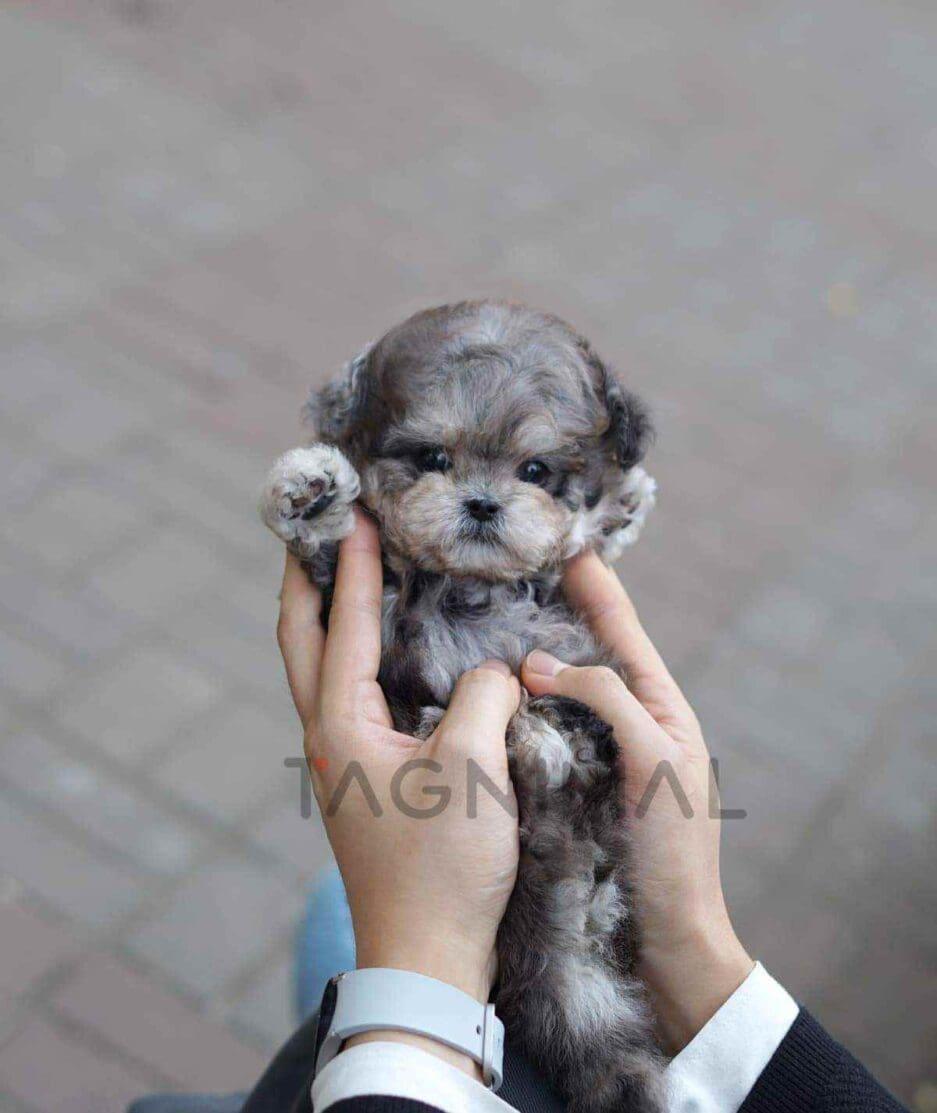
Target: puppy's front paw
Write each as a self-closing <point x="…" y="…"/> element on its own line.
<point x="627" y="512"/>
<point x="307" y="498"/>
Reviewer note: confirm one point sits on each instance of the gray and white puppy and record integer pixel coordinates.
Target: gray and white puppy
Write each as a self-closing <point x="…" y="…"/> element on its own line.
<point x="491" y="443"/>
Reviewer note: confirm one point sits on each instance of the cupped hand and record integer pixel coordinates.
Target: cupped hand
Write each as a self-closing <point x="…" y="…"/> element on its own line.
<point x="428" y="858"/>
<point x="691" y="959"/>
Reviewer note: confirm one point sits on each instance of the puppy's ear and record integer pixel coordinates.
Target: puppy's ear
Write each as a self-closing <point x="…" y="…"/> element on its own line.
<point x="333" y="411"/>
<point x="629" y="424"/>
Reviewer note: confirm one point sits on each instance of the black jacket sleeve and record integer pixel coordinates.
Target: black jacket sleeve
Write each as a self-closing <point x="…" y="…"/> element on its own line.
<point x="811" y="1073"/>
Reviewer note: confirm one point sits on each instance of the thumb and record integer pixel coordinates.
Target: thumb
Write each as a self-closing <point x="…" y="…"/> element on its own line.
<point x="602" y="690"/>
<point x="481" y="706"/>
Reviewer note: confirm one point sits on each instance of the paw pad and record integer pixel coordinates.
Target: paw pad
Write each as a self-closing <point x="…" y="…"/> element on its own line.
<point x="308" y="497"/>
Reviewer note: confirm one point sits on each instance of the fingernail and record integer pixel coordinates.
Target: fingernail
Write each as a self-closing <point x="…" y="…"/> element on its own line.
<point x="496" y="666"/>
<point x="543" y="664"/>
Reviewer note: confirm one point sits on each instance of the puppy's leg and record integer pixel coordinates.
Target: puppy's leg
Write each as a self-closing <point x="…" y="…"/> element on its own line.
<point x="616" y="520"/>
<point x="566" y="993"/>
<point x="307" y="498"/>
<point x="430" y="718"/>
<point x="624" y="511"/>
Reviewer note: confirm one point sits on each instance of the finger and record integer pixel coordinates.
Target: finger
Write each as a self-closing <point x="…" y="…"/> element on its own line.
<point x="480" y="708"/>
<point x="353" y="647"/>
<point x="300" y="635"/>
<point x="593" y="589"/>
<point x="634" y="727"/>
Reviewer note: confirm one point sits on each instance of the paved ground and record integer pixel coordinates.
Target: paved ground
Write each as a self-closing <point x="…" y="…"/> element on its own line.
<point x="207" y="206"/>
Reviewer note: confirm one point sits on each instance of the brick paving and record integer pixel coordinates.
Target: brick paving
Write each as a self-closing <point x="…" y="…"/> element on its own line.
<point x="208" y="206"/>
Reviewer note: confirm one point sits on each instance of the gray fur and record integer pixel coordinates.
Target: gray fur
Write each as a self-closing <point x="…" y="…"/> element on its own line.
<point x="447" y="419"/>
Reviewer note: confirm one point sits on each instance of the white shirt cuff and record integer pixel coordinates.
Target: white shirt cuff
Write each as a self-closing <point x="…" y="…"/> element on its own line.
<point x="398" y="1070"/>
<point x="716" y="1071"/>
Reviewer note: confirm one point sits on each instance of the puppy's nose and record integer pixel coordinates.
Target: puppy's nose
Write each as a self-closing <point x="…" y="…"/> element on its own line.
<point x="482" y="510"/>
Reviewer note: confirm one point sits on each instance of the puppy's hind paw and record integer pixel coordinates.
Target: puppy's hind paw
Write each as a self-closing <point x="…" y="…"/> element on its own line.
<point x="307" y="498"/>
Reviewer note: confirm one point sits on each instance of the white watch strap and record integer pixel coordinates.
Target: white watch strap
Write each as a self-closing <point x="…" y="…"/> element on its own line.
<point x="404" y="1001"/>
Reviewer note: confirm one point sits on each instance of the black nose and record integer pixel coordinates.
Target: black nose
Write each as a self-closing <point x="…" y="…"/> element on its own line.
<point x="482" y="510"/>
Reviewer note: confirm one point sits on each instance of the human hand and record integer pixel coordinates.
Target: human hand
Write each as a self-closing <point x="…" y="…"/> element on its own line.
<point x="427" y="887"/>
<point x="690" y="958"/>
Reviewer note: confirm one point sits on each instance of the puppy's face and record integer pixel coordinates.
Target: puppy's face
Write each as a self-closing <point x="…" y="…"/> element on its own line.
<point x="488" y="439"/>
<point x="474" y="478"/>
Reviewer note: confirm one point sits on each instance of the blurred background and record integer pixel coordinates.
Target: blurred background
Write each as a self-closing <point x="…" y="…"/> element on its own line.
<point x="208" y="206"/>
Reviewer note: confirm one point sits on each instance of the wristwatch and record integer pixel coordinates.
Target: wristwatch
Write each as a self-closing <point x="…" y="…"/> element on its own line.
<point x="365" y="1000"/>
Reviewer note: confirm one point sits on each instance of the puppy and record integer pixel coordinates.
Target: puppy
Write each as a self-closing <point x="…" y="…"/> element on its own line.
<point x="491" y="443"/>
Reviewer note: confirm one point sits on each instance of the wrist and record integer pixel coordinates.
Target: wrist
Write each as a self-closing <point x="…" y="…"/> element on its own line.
<point x="471" y="974"/>
<point x="693" y="977"/>
<point x="398" y="1004"/>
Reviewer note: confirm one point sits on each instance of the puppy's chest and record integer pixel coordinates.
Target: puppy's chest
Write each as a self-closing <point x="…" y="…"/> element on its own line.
<point x="443" y="627"/>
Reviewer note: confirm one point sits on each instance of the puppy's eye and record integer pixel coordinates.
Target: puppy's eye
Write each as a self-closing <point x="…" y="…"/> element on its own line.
<point x="534" y="471"/>
<point x="433" y="458"/>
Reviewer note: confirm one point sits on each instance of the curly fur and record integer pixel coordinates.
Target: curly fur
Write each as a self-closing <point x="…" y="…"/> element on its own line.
<point x="491" y="443"/>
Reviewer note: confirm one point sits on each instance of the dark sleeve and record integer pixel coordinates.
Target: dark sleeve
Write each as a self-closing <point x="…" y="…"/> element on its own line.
<point x="811" y="1073"/>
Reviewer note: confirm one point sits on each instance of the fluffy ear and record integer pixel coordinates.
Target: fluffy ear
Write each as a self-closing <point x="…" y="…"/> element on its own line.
<point x="629" y="423"/>
<point x="629" y="429"/>
<point x="333" y="411"/>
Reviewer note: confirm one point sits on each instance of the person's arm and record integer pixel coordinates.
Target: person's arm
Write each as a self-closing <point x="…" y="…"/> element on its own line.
<point x="691" y="959"/>
<point x="737" y="1038"/>
<point x="811" y="1071"/>
<point x="427" y="888"/>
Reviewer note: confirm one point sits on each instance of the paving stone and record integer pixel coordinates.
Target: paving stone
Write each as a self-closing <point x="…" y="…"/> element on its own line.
<point x="882" y="833"/>
<point x="191" y="497"/>
<point x="235" y="762"/>
<point x="33" y="380"/>
<point x="27" y="669"/>
<point x="217" y="923"/>
<point x="250" y="596"/>
<point x="23" y="473"/>
<point x="746" y="881"/>
<point x="91" y="424"/>
<point x="31" y="949"/>
<point x="231" y="468"/>
<point x="72" y="521"/>
<point x="54" y="1073"/>
<point x="780" y="801"/>
<point x="902" y="787"/>
<point x="266" y="1009"/>
<point x="789" y="710"/>
<point x="147" y="697"/>
<point x="897" y="981"/>
<point x="79" y="622"/>
<point x="222" y="638"/>
<point x="160" y="572"/>
<point x="802" y="943"/>
<point x="62" y="872"/>
<point x="118" y="816"/>
<point x="157" y="1029"/>
<point x="181" y="263"/>
<point x="285" y="832"/>
<point x="786" y="620"/>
